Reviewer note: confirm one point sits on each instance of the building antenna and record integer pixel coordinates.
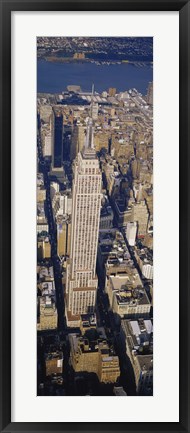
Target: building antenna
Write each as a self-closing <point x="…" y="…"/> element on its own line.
<point x="89" y="130"/>
<point x="92" y="94"/>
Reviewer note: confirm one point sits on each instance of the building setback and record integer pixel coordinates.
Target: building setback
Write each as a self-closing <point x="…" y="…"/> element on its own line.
<point x="81" y="279"/>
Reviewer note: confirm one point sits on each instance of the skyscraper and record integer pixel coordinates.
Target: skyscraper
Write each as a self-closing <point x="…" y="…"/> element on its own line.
<point x="57" y="139"/>
<point x="81" y="279"/>
<point x="57" y="143"/>
<point x="149" y="96"/>
<point x="77" y="141"/>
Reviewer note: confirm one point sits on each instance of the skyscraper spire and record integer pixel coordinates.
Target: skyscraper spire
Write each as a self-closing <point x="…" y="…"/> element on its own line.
<point x="91" y="105"/>
<point x="89" y="142"/>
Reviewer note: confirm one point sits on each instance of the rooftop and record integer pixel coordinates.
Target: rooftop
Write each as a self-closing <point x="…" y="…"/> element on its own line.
<point x="139" y="336"/>
<point x="132" y="297"/>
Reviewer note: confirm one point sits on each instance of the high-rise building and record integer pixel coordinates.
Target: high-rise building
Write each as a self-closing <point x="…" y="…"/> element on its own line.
<point x="61" y="204"/>
<point x="140" y="214"/>
<point x="112" y="91"/>
<point x="77" y="140"/>
<point x="95" y="111"/>
<point x="81" y="279"/>
<point x="63" y="235"/>
<point x="54" y="188"/>
<point x="57" y="139"/>
<point x="56" y="125"/>
<point x="131" y="231"/>
<point x="149" y="96"/>
<point x="47" y="146"/>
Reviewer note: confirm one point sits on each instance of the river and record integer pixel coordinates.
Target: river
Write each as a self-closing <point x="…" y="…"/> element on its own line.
<point x="54" y="77"/>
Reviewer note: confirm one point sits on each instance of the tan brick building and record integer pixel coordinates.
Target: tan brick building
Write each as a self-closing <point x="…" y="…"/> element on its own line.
<point x="53" y="363"/>
<point x="94" y="357"/>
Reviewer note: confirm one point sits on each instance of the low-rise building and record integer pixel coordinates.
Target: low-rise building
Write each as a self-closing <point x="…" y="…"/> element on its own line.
<point x="42" y="223"/>
<point x="45" y="273"/>
<point x="119" y="391"/>
<point x="41" y="194"/>
<point x="126" y="297"/>
<point x="43" y="247"/>
<point x="54" y="363"/>
<point x="47" y="315"/>
<point x="111" y="246"/>
<point x="144" y="257"/>
<point x="94" y="357"/>
<point x="88" y="322"/>
<point x="131" y="303"/>
<point x="119" y="276"/>
<point x="138" y="337"/>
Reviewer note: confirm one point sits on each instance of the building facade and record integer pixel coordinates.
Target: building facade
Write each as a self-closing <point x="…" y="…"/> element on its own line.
<point x="81" y="279"/>
<point x="138" y="337"/>
<point x="47" y="316"/>
<point x="140" y="214"/>
<point x="57" y="139"/>
<point x="54" y="363"/>
<point x="131" y="231"/>
<point x="77" y="140"/>
<point x="95" y="357"/>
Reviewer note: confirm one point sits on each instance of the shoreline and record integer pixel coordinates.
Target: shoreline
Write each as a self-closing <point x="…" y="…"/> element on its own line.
<point x="54" y="59"/>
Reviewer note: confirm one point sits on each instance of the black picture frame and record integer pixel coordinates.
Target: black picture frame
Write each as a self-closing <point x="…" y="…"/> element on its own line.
<point x="6" y="7"/>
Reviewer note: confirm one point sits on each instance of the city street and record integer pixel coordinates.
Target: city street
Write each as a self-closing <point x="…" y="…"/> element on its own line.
<point x="53" y="239"/>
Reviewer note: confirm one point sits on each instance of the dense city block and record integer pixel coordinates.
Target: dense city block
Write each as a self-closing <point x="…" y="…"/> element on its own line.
<point x="95" y="233"/>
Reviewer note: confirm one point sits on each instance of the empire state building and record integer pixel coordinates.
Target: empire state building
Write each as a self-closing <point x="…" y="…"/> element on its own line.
<point x="81" y="278"/>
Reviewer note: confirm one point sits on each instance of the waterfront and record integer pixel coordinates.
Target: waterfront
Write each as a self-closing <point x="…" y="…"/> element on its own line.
<point x="54" y="77"/>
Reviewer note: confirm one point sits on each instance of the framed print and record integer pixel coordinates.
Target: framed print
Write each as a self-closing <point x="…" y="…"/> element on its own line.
<point x="94" y="216"/>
